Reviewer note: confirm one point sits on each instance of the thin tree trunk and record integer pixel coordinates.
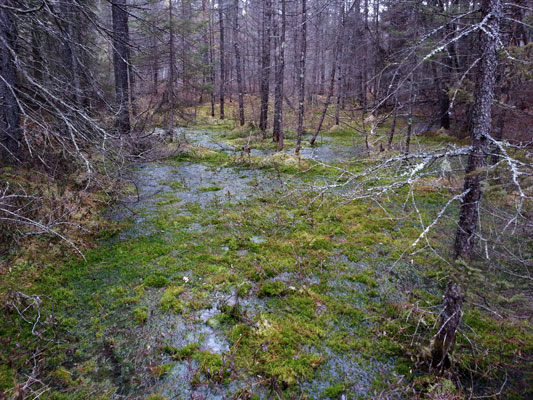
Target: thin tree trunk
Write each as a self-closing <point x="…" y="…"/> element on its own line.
<point x="330" y="91"/>
<point x="393" y="127"/>
<point x="238" y="65"/>
<point x="450" y="319"/>
<point x="410" y="118"/>
<point x="301" y="77"/>
<point x="10" y="131"/>
<point x="171" y="70"/>
<point x="121" y="61"/>
<point x="481" y="126"/>
<point x="280" y="71"/>
<point x="222" y="61"/>
<point x="211" y="67"/>
<point x="265" y="66"/>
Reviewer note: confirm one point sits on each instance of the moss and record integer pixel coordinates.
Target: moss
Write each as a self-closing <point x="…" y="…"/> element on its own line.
<point x="334" y="391"/>
<point x="140" y="314"/>
<point x="7" y="376"/>
<point x="162" y="370"/>
<point x="272" y="288"/>
<point x="170" y="300"/>
<point x="155" y="281"/>
<point x="64" y="376"/>
<point x="183" y="353"/>
<point x="210" y="189"/>
<point x="211" y="367"/>
<point x="156" y="396"/>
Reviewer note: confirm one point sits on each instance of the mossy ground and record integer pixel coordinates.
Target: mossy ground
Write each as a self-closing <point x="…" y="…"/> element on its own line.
<point x="303" y="299"/>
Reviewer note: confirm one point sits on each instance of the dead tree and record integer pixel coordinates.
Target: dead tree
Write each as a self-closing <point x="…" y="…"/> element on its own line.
<point x="222" y="61"/>
<point x="121" y="62"/>
<point x="238" y="64"/>
<point x="450" y="319"/>
<point x="265" y="65"/>
<point x="10" y="132"/>
<point x="481" y="126"/>
<point x="277" y="131"/>
<point x="301" y="76"/>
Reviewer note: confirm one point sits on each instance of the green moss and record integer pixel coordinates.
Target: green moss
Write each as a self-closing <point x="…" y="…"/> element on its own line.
<point x="162" y="370"/>
<point x="64" y="376"/>
<point x="272" y="288"/>
<point x="334" y="391"/>
<point x="170" y="300"/>
<point x="7" y="376"/>
<point x="156" y="396"/>
<point x="212" y="368"/>
<point x="210" y="189"/>
<point x="140" y="314"/>
<point x="155" y="281"/>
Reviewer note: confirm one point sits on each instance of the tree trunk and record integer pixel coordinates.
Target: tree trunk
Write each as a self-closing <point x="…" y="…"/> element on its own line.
<point x="330" y="90"/>
<point x="301" y="77"/>
<point x="222" y="61"/>
<point x="393" y="127"/>
<point x="280" y="71"/>
<point x="171" y="67"/>
<point x="238" y="65"/>
<point x="10" y="131"/>
<point x="265" y="66"/>
<point x="121" y="61"/>
<point x="481" y="126"/>
<point x="450" y="319"/>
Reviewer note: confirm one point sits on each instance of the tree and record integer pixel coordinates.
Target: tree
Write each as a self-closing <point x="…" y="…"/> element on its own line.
<point x="301" y="76"/>
<point x="222" y="51"/>
<point x="265" y="65"/>
<point x="481" y="127"/>
<point x="277" y="131"/>
<point x="10" y="132"/>
<point x="238" y="66"/>
<point x="121" y="62"/>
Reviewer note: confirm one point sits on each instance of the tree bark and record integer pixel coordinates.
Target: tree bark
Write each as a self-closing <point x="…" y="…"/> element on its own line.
<point x="238" y="65"/>
<point x="481" y="126"/>
<point x="121" y="61"/>
<point x="171" y="66"/>
<point x="222" y="61"/>
<point x="450" y="319"/>
<point x="10" y="131"/>
<point x="330" y="90"/>
<point x="265" y="66"/>
<point x="280" y="71"/>
<point x="301" y="77"/>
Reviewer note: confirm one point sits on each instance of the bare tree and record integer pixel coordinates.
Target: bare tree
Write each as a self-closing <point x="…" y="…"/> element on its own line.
<point x="121" y="62"/>
<point x="277" y="131"/>
<point x="238" y="66"/>
<point x="10" y="132"/>
<point x="265" y="65"/>
<point x="301" y="76"/>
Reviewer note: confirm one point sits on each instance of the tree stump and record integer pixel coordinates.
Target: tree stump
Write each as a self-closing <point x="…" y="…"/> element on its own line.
<point x="449" y="323"/>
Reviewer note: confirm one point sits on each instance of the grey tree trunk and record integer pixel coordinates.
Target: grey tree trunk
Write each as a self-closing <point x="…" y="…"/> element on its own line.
<point x="171" y="66"/>
<point x="331" y="87"/>
<point x="265" y="66"/>
<point x="222" y="61"/>
<point x="301" y="77"/>
<point x="238" y="64"/>
<point x="121" y="61"/>
<point x="10" y="131"/>
<point x="280" y="71"/>
<point x="481" y="126"/>
<point x="450" y="319"/>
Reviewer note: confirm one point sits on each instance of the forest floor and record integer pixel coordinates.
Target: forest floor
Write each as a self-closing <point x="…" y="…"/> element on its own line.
<point x="230" y="274"/>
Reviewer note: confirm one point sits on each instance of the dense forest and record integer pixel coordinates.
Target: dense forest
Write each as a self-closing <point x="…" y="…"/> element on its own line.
<point x="255" y="199"/>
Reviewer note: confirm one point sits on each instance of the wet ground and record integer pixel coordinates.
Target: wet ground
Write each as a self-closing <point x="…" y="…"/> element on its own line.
<point x="170" y="189"/>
